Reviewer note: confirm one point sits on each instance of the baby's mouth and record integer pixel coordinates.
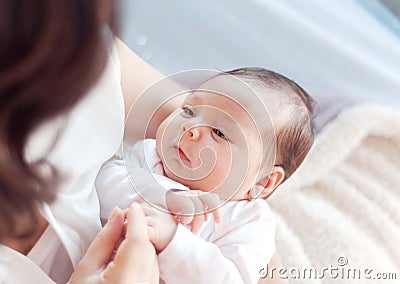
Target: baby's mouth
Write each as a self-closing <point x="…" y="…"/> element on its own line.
<point x="183" y="156"/>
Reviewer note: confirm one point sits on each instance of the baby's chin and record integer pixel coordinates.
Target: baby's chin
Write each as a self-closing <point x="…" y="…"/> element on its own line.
<point x="205" y="186"/>
<point x="194" y="184"/>
<point x="191" y="183"/>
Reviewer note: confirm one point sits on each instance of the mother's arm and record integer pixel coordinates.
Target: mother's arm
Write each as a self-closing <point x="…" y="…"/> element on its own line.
<point x="136" y="76"/>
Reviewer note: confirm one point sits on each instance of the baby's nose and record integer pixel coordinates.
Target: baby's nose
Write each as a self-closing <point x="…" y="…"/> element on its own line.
<point x="193" y="132"/>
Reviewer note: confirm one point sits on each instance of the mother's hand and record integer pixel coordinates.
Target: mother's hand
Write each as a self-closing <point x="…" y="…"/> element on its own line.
<point x="135" y="259"/>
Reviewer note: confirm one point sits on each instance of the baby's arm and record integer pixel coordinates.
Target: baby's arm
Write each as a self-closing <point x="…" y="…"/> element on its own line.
<point x="116" y="188"/>
<point x="234" y="253"/>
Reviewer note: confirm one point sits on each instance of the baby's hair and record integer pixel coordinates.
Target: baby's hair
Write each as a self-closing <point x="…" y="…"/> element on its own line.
<point x="295" y="136"/>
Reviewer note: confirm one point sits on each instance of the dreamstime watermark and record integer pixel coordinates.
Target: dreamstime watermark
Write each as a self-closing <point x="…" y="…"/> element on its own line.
<point x="339" y="271"/>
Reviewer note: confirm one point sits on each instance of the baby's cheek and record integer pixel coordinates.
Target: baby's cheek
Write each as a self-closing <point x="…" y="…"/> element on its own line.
<point x="223" y="167"/>
<point x="161" y="129"/>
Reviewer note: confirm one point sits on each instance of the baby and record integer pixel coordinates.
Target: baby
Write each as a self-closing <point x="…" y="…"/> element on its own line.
<point x="238" y="136"/>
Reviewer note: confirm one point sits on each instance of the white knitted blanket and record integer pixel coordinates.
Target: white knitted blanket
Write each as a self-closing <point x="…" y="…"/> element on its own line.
<point x="341" y="209"/>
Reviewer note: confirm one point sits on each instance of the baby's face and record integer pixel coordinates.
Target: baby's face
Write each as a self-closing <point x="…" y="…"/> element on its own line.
<point x="212" y="144"/>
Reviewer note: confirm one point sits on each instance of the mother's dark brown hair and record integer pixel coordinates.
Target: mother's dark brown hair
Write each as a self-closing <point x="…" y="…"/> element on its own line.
<point x="51" y="51"/>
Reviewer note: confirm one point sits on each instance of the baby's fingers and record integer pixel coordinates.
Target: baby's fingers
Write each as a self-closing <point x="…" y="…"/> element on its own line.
<point x="211" y="203"/>
<point x="180" y="206"/>
<point x="184" y="218"/>
<point x="198" y="216"/>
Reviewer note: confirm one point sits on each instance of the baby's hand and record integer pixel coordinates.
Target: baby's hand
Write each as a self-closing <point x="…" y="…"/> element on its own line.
<point x="161" y="226"/>
<point x="193" y="206"/>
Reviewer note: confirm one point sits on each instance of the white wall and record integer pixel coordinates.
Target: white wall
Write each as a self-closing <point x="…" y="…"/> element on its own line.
<point x="336" y="49"/>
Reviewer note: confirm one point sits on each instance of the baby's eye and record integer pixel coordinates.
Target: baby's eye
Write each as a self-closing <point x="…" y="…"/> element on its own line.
<point x="219" y="133"/>
<point x="188" y="111"/>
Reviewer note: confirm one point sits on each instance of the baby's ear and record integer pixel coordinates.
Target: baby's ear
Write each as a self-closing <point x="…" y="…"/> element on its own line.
<point x="271" y="182"/>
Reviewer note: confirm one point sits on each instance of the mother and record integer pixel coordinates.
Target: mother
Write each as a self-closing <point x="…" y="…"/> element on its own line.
<point x="62" y="102"/>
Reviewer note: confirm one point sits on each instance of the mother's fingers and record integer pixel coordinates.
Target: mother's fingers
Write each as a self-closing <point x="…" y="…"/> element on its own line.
<point x="136" y="224"/>
<point x="100" y="251"/>
<point x="135" y="260"/>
